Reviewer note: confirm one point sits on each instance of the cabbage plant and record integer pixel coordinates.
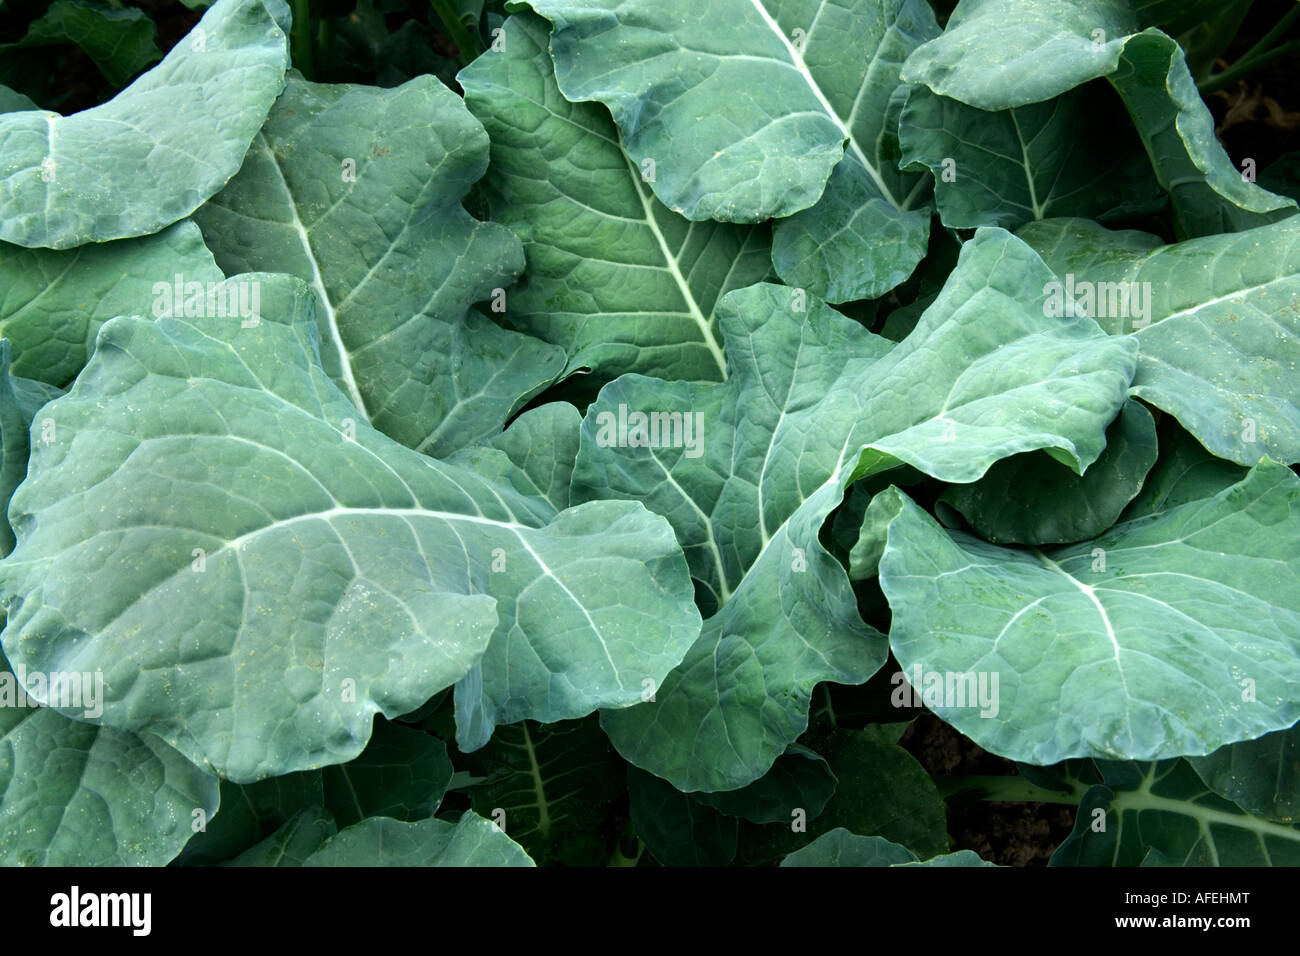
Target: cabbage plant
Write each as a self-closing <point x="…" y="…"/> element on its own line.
<point x="610" y="432"/>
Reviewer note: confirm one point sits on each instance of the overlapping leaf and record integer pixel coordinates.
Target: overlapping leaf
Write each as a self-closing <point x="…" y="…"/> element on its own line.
<point x="807" y="123"/>
<point x="269" y="573"/>
<point x="1218" y="325"/>
<point x="356" y="190"/>
<point x="676" y="829"/>
<point x="381" y="841"/>
<point x="617" y="279"/>
<point x="812" y="402"/>
<point x="882" y="790"/>
<point x="403" y="773"/>
<point x="20" y="400"/>
<point x="121" y="41"/>
<point x="996" y="54"/>
<point x="1208" y="192"/>
<point x="52" y="302"/>
<point x="153" y="153"/>
<point x="534" y="455"/>
<point x="1062" y="157"/>
<point x="292" y="844"/>
<point x="1261" y="776"/>
<point x="841" y="847"/>
<point x="999" y="54"/>
<point x="1162" y="814"/>
<point x="550" y="787"/>
<point x="74" y="794"/>
<point x="1033" y="499"/>
<point x="1168" y="635"/>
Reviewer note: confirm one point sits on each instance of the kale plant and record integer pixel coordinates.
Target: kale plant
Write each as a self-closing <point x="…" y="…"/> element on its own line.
<point x="616" y="432"/>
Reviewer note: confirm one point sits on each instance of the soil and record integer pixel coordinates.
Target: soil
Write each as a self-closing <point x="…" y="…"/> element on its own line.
<point x="1009" y="834"/>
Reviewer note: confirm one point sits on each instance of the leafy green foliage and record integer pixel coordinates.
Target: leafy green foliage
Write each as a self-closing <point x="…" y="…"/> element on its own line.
<point x="841" y="847"/>
<point x="121" y="41"/>
<point x="583" y="433"/>
<point x="128" y="167"/>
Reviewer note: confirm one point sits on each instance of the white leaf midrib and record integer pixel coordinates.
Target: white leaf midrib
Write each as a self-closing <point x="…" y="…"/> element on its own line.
<point x="670" y="259"/>
<point x="318" y="287"/>
<point x="797" y="61"/>
<point x="696" y="313"/>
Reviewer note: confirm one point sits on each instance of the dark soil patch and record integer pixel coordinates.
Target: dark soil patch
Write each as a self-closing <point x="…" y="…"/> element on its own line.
<point x="1009" y="834"/>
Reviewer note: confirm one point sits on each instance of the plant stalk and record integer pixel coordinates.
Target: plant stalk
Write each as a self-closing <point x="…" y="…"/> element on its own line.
<point x="466" y="43"/>
<point x="1253" y="58"/>
<point x="300" y="39"/>
<point x="1006" y="789"/>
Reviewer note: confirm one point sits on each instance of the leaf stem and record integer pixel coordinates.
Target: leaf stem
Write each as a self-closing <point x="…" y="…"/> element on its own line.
<point x="830" y="708"/>
<point x="1006" y="788"/>
<point x="1253" y="58"/>
<point x="325" y="46"/>
<point x="618" y="858"/>
<point x="300" y="39"/>
<point x="466" y="43"/>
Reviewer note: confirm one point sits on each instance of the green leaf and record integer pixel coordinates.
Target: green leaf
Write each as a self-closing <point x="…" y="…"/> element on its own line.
<point x="1162" y="814"/>
<point x="920" y="291"/>
<point x="290" y="845"/>
<point x="882" y="790"/>
<point x="12" y="101"/>
<point x="840" y="847"/>
<point x="157" y="150"/>
<point x="249" y="814"/>
<point x="1169" y="635"/>
<point x="54" y="301"/>
<point x="676" y="829"/>
<point x="614" y="277"/>
<point x="808" y="89"/>
<point x="74" y="794"/>
<point x="281" y="573"/>
<point x="1184" y="472"/>
<point x="1208" y="192"/>
<point x="776" y="446"/>
<point x="1261" y="776"/>
<point x="20" y="400"/>
<point x="1034" y="499"/>
<point x="534" y="455"/>
<point x="356" y="190"/>
<point x="1283" y="176"/>
<point x="869" y="230"/>
<point x="799" y="779"/>
<point x="727" y="487"/>
<point x="652" y="67"/>
<point x="555" y="784"/>
<point x="1179" y="16"/>
<point x="379" y="841"/>
<point x="1218" y="326"/>
<point x="1062" y="157"/>
<point x="999" y="54"/>
<point x="122" y="42"/>
<point x="402" y="773"/>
